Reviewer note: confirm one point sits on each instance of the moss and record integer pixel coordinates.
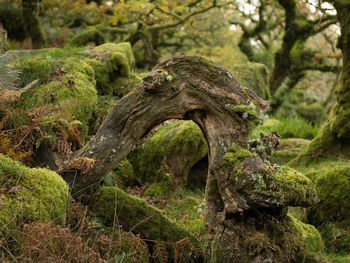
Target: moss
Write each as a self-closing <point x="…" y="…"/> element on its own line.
<point x="288" y="149"/>
<point x="30" y="195"/>
<point x="100" y="111"/>
<point x="114" y="67"/>
<point x="173" y="149"/>
<point x="135" y="214"/>
<point x="159" y="190"/>
<point x="263" y="241"/>
<point x="333" y="188"/>
<point x="71" y="86"/>
<point x="118" y="58"/>
<point x="124" y="173"/>
<point x="258" y="185"/>
<point x="311" y="236"/>
<point x="336" y="237"/>
<point x="253" y="76"/>
<point x="90" y="35"/>
<point x="124" y="85"/>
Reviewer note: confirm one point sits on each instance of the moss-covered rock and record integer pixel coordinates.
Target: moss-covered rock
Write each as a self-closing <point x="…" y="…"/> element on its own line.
<point x="135" y="214"/>
<point x="253" y="76"/>
<point x="288" y="149"/>
<point x="114" y="66"/>
<point x="67" y="82"/>
<point x="256" y="185"/>
<point x="90" y="35"/>
<point x="29" y="195"/>
<point x="160" y="189"/>
<point x="173" y="149"/>
<point x="333" y="188"/>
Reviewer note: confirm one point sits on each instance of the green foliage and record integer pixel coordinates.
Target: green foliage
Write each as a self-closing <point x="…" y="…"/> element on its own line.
<point x="29" y="195"/>
<point x="111" y="204"/>
<point x="8" y="74"/>
<point x="288" y="127"/>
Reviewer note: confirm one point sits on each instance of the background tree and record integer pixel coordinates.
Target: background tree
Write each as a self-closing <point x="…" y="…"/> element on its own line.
<point x="334" y="139"/>
<point x="292" y="55"/>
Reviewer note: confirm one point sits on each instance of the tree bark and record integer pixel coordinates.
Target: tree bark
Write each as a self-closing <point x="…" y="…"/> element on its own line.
<point x="3" y="39"/>
<point x="30" y="13"/>
<point x="190" y="87"/>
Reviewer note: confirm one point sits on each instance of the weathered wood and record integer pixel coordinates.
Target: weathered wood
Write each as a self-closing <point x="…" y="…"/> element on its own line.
<point x="238" y="182"/>
<point x="3" y="39"/>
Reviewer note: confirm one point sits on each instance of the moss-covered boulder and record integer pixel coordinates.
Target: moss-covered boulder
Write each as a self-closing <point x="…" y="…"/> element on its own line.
<point x="114" y="66"/>
<point x="253" y="76"/>
<point x="134" y="214"/>
<point x="288" y="149"/>
<point x="29" y="194"/>
<point x="172" y="150"/>
<point x="90" y="35"/>
<point x="333" y="188"/>
<point x="66" y="82"/>
<point x="332" y="214"/>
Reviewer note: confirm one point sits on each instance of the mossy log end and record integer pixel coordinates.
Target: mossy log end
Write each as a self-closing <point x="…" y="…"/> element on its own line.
<point x="240" y="188"/>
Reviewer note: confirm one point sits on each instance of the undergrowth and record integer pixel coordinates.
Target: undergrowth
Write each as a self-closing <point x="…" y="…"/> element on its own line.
<point x="288" y="127"/>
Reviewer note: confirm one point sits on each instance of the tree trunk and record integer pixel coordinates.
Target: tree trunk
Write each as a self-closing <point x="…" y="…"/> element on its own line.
<point x="30" y="13"/>
<point x="3" y="39"/>
<point x="239" y="185"/>
<point x="334" y="139"/>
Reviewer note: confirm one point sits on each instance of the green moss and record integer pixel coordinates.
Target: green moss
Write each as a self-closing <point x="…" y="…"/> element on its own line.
<point x="100" y="111"/>
<point x="114" y="66"/>
<point x="289" y="149"/>
<point x="135" y="214"/>
<point x="71" y="85"/>
<point x="90" y="35"/>
<point x="173" y="149"/>
<point x="253" y="76"/>
<point x="41" y="195"/>
<point x="124" y="173"/>
<point x="118" y="58"/>
<point x="333" y="188"/>
<point x="261" y="185"/>
<point x="159" y="190"/>
<point x="311" y="236"/>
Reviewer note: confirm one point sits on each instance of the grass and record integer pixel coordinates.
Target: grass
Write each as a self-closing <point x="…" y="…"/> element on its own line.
<point x="288" y="127"/>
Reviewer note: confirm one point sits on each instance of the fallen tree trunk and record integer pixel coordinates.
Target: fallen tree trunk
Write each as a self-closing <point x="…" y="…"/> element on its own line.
<point x="246" y="199"/>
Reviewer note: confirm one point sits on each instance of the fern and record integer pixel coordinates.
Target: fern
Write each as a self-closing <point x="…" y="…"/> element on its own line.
<point x="8" y="75"/>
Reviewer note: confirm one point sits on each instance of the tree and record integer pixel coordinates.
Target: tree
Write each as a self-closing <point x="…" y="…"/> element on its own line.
<point x="152" y="25"/>
<point x="293" y="57"/>
<point x="334" y="138"/>
<point x="190" y="87"/>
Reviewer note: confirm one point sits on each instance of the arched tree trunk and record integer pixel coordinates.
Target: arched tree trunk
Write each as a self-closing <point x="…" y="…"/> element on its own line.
<point x="239" y="185"/>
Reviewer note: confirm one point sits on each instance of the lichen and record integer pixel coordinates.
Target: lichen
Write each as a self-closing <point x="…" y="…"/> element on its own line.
<point x="30" y="194"/>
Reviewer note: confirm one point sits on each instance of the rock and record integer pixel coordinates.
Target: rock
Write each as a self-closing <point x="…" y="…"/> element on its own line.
<point x="30" y="194"/>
